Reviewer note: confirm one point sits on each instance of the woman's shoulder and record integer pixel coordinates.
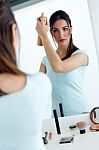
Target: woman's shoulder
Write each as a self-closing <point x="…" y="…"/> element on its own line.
<point x="80" y="51"/>
<point x="39" y="76"/>
<point x="41" y="79"/>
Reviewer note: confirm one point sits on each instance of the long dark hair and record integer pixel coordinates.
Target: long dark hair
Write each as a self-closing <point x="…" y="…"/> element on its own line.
<point x="7" y="51"/>
<point x="60" y="14"/>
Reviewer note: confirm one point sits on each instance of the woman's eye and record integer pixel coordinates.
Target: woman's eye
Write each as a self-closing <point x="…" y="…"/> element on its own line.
<point x="54" y="30"/>
<point x="65" y="29"/>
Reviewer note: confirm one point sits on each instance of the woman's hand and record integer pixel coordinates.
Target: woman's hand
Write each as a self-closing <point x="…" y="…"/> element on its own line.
<point x="42" y="27"/>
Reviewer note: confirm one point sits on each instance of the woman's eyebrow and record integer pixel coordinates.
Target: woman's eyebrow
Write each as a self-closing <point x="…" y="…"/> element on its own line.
<point x="65" y="26"/>
<point x="61" y="27"/>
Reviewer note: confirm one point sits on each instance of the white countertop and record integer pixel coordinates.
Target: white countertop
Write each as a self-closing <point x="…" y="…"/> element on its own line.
<point x="86" y="141"/>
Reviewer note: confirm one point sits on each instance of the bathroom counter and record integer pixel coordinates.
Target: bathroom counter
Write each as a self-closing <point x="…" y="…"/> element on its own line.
<point x="86" y="141"/>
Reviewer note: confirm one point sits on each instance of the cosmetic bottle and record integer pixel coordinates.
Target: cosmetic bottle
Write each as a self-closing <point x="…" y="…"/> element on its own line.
<point x="82" y="127"/>
<point x="44" y="19"/>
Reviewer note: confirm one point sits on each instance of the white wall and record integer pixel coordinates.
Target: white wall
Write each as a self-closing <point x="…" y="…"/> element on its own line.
<point x="94" y="15"/>
<point x="31" y="54"/>
<point x="93" y="11"/>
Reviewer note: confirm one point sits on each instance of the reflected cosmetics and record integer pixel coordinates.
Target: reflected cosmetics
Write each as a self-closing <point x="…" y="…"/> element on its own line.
<point x="61" y="110"/>
<point x="56" y="121"/>
<point x="82" y="127"/>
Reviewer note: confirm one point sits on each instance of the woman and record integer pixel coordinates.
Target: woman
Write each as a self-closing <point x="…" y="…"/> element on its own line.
<point x="65" y="66"/>
<point x="21" y="103"/>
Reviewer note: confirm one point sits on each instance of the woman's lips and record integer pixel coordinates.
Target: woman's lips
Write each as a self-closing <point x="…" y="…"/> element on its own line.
<point x="62" y="40"/>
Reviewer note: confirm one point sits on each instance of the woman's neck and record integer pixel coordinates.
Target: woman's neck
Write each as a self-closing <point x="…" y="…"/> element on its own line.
<point x="61" y="51"/>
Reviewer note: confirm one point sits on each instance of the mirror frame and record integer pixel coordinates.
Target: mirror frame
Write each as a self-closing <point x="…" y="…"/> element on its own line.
<point x="93" y="115"/>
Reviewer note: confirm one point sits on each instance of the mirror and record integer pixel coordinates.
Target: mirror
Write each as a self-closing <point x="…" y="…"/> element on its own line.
<point x="82" y="36"/>
<point x="94" y="117"/>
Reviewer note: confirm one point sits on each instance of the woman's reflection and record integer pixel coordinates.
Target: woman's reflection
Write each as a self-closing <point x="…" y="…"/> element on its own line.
<point x="66" y="66"/>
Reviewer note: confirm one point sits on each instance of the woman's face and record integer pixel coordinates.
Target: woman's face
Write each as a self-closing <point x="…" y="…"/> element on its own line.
<point x="61" y="32"/>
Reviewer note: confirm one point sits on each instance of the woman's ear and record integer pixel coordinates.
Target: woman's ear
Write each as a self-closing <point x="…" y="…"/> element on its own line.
<point x="15" y="36"/>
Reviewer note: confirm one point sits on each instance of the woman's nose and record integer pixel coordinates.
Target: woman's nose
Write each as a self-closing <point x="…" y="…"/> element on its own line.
<point x="61" y="33"/>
